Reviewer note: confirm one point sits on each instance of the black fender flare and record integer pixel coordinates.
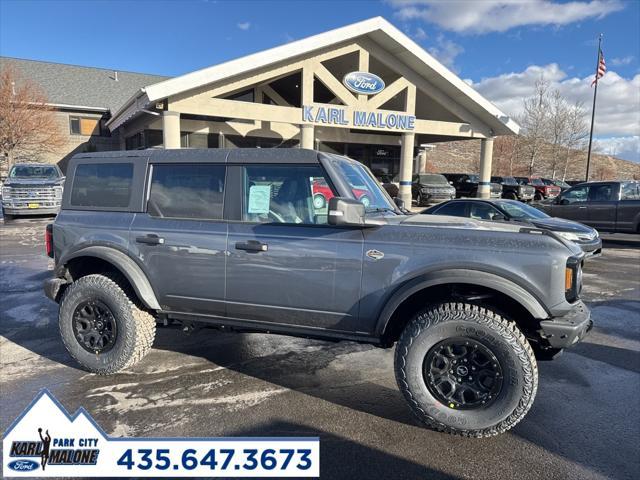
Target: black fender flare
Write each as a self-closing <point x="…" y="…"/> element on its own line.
<point x="126" y="266"/>
<point x="471" y="277"/>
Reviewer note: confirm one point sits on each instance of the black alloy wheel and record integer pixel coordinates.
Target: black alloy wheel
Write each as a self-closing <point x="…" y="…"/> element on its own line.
<point x="94" y="326"/>
<point x="462" y="373"/>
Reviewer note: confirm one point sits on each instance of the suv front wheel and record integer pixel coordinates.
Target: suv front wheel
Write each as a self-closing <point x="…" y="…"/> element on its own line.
<point x="101" y="326"/>
<point x="466" y="370"/>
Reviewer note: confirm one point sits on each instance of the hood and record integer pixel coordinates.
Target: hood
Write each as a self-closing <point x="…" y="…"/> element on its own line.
<point x="35" y="181"/>
<point x="561" y="225"/>
<point x="445" y="221"/>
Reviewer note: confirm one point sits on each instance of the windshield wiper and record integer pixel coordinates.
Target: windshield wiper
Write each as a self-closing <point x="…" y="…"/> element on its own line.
<point x="380" y="209"/>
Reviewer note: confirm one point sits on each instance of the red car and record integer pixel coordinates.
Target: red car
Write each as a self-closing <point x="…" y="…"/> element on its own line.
<point x="322" y="193"/>
<point x="542" y="190"/>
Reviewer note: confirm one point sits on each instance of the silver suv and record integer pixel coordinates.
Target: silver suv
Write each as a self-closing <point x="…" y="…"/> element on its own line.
<point x="233" y="239"/>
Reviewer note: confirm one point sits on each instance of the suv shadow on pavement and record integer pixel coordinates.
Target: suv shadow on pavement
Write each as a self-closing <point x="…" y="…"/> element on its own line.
<point x="344" y="458"/>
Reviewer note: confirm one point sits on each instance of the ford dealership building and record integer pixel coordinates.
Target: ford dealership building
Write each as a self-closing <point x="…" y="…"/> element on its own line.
<point x="365" y="90"/>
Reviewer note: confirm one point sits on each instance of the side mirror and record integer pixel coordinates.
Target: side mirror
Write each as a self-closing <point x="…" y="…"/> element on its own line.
<point x="562" y="201"/>
<point x="499" y="218"/>
<point x="399" y="203"/>
<point x="345" y="211"/>
<point x="450" y="182"/>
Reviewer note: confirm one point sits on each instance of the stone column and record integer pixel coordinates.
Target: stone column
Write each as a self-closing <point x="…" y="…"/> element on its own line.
<point x="306" y="136"/>
<point x="171" y="129"/>
<point x="406" y="167"/>
<point x="486" y="159"/>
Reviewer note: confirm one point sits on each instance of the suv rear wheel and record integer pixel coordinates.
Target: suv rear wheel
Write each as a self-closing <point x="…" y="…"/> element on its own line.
<point x="101" y="326"/>
<point x="466" y="370"/>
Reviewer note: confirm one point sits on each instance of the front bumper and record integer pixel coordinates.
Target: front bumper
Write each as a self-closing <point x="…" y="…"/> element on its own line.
<point x="434" y="198"/>
<point x="562" y="332"/>
<point x="591" y="249"/>
<point x="31" y="211"/>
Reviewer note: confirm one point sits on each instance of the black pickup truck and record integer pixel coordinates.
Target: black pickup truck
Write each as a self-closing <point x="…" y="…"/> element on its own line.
<point x="511" y="189"/>
<point x="606" y="206"/>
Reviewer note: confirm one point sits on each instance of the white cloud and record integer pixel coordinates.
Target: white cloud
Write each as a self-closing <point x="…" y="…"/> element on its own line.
<point x="446" y="51"/>
<point x="616" y="62"/>
<point x="244" y="25"/>
<point x="618" y="103"/>
<point x="622" y="147"/>
<point x="420" y="34"/>
<point x="483" y="16"/>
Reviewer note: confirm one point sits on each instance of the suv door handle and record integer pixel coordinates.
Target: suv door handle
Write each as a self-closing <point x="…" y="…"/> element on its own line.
<point x="252" y="246"/>
<point x="151" y="239"/>
<point x="582" y="207"/>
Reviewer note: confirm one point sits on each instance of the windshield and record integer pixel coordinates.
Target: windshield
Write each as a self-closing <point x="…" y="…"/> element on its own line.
<point x="520" y="211"/>
<point x="509" y="181"/>
<point x="536" y="181"/>
<point x="46" y="171"/>
<point x="364" y="186"/>
<point x="433" y="179"/>
<point x="560" y="183"/>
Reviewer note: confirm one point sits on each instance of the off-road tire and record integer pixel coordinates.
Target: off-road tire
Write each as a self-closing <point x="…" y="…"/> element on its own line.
<point x="136" y="328"/>
<point x="436" y="323"/>
<point x="538" y="197"/>
<point x="511" y="196"/>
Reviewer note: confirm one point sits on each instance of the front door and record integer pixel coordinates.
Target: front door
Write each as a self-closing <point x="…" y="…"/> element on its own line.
<point x="181" y="240"/>
<point x="286" y="265"/>
<point x="572" y="205"/>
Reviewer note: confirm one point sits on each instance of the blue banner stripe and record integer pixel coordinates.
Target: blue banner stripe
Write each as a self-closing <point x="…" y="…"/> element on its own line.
<point x="484" y="183"/>
<point x="405" y="183"/>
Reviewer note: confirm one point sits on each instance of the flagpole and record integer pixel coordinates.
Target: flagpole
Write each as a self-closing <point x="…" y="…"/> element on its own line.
<point x="593" y="109"/>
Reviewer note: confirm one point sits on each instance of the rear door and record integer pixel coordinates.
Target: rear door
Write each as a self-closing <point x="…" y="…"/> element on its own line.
<point x="628" y="216"/>
<point x="181" y="239"/>
<point x="572" y="205"/>
<point x="286" y="265"/>
<point x="602" y="203"/>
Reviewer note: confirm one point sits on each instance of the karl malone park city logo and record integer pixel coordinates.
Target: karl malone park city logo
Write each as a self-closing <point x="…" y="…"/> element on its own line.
<point x="45" y="436"/>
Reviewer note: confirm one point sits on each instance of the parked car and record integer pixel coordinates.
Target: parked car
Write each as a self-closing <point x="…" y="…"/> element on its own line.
<point x="322" y="193"/>
<point x="466" y="185"/>
<point x="231" y="239"/>
<point x="542" y="190"/>
<point x="555" y="182"/>
<point x="607" y="206"/>
<point x="431" y="188"/>
<point x="573" y="183"/>
<point x="513" y="190"/>
<point x="32" y="189"/>
<point x="586" y="237"/>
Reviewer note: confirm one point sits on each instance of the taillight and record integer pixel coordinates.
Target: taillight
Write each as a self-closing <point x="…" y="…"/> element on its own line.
<point x="48" y="240"/>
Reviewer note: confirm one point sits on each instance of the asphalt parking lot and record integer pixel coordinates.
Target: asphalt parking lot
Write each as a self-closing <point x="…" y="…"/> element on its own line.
<point x="585" y="422"/>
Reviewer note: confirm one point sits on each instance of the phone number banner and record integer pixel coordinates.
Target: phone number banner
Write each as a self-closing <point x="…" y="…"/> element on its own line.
<point x="45" y="441"/>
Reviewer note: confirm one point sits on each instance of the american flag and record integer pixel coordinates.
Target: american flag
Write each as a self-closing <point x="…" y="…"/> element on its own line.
<point x="602" y="68"/>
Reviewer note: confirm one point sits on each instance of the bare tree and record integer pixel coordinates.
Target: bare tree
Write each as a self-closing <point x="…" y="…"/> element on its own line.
<point x="28" y="127"/>
<point x="535" y="123"/>
<point x="558" y="123"/>
<point x="576" y="132"/>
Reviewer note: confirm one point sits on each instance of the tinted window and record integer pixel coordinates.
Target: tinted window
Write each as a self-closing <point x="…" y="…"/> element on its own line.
<point x="600" y="193"/>
<point x="286" y="194"/>
<point x="630" y="191"/>
<point x="102" y="185"/>
<point x="455" y="209"/>
<point x="187" y="191"/>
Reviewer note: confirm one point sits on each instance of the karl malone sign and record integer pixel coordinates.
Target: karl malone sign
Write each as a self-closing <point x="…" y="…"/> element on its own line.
<point x="359" y="119"/>
<point x="362" y="83"/>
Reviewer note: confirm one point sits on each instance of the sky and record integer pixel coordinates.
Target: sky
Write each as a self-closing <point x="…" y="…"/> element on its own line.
<point x="500" y="47"/>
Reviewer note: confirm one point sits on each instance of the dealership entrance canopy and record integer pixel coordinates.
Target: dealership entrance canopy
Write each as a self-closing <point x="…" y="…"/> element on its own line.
<point x="365" y="90"/>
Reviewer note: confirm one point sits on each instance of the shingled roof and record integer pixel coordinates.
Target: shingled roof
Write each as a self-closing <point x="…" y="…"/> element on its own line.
<point x="77" y="86"/>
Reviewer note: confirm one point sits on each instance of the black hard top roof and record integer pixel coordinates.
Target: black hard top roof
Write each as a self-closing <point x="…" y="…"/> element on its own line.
<point x="222" y="155"/>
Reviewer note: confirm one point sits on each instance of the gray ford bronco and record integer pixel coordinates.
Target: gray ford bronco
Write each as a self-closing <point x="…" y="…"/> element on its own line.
<point x="233" y="239"/>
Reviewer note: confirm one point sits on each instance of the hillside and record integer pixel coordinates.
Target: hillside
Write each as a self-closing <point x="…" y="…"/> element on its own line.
<point x="464" y="156"/>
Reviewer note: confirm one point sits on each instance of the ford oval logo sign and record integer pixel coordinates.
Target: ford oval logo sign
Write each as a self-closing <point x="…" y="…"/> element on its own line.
<point x="363" y="82"/>
<point x="23" y="465"/>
